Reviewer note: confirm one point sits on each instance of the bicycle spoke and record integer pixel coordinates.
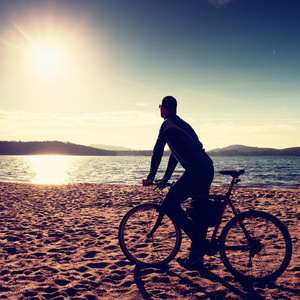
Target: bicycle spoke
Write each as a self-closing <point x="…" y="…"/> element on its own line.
<point x="154" y="250"/>
<point x="265" y="256"/>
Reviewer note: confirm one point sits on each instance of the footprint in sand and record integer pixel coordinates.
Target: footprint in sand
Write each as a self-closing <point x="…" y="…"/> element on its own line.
<point x="100" y="265"/>
<point x="123" y="263"/>
<point x="82" y="269"/>
<point x="61" y="282"/>
<point x="111" y="247"/>
<point x="11" y="250"/>
<point x="90" y="254"/>
<point x="71" y="292"/>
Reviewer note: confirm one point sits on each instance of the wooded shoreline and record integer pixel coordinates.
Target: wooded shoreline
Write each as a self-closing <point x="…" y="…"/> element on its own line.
<point x="67" y="148"/>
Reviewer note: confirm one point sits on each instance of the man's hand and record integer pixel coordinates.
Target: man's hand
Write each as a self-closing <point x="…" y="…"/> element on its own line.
<point x="147" y="182"/>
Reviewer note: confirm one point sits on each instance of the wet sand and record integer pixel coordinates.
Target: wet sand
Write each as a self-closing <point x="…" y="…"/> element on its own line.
<point x="60" y="242"/>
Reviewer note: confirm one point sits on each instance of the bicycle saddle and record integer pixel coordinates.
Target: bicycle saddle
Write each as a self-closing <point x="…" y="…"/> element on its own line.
<point x="234" y="174"/>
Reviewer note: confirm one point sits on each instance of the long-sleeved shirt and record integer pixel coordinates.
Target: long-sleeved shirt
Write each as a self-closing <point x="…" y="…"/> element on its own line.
<point x="184" y="145"/>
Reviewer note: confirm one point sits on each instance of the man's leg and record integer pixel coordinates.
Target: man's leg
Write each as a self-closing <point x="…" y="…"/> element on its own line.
<point x="188" y="184"/>
<point x="180" y="191"/>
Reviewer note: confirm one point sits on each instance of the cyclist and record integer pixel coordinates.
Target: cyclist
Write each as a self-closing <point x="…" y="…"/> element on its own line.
<point x="199" y="171"/>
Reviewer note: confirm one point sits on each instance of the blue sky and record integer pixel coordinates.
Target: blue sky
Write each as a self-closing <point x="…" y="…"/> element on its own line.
<point x="93" y="72"/>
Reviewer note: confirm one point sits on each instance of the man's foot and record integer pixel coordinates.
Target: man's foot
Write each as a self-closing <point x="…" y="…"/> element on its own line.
<point x="195" y="258"/>
<point x="186" y="263"/>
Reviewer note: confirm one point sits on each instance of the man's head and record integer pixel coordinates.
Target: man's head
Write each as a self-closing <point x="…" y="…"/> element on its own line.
<point x="168" y="106"/>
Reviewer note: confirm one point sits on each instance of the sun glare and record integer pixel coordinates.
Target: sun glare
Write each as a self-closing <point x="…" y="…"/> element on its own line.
<point x="44" y="52"/>
<point x="50" y="169"/>
<point x="48" y="60"/>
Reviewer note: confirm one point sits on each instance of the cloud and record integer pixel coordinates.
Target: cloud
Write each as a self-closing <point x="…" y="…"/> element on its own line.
<point x="226" y="128"/>
<point x="124" y="118"/>
<point x="142" y="104"/>
<point x="138" y="130"/>
<point x="21" y="125"/>
<point x="220" y="3"/>
<point x="274" y="134"/>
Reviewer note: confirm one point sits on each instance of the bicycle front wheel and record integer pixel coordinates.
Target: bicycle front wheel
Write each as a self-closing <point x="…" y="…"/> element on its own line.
<point x="138" y="246"/>
<point x="265" y="255"/>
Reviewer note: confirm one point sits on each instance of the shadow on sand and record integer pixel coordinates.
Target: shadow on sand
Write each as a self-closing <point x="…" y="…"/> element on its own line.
<point x="174" y="283"/>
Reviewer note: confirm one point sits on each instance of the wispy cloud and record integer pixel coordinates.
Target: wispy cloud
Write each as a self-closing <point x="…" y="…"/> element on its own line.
<point x="142" y="104"/>
<point x="123" y="118"/>
<point x="137" y="129"/>
<point x="220" y="3"/>
<point x="276" y="133"/>
<point x="21" y="125"/>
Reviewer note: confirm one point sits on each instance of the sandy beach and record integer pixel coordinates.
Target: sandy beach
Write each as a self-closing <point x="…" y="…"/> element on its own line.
<point x="60" y="242"/>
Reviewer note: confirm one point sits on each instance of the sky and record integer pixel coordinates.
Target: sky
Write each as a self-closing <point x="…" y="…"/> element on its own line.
<point x="95" y="71"/>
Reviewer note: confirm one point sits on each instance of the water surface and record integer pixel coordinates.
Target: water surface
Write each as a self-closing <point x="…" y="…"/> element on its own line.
<point x="267" y="172"/>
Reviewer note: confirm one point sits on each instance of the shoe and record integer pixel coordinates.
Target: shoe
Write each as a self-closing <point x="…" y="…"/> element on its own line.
<point x="184" y="262"/>
<point x="195" y="258"/>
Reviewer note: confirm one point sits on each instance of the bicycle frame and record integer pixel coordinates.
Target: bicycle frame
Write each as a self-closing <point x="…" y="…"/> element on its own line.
<point x="227" y="201"/>
<point x="253" y="245"/>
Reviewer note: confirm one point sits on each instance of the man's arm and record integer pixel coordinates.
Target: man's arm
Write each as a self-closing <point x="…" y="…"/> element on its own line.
<point x="156" y="157"/>
<point x="172" y="163"/>
<point x="155" y="162"/>
<point x="157" y="154"/>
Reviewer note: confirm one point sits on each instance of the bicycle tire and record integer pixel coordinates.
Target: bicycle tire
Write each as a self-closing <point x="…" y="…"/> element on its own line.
<point x="137" y="247"/>
<point x="272" y="249"/>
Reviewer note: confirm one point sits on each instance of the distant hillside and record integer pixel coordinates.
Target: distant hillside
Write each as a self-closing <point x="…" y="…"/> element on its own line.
<point x="134" y="152"/>
<point x="240" y="150"/>
<point x="109" y="147"/>
<point x="61" y="148"/>
<point x="47" y="148"/>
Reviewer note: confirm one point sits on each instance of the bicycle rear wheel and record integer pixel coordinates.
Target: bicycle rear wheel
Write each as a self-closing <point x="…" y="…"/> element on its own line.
<point x="154" y="251"/>
<point x="270" y="252"/>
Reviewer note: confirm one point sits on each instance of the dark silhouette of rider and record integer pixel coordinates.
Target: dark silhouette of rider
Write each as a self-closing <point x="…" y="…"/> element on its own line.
<point x="199" y="172"/>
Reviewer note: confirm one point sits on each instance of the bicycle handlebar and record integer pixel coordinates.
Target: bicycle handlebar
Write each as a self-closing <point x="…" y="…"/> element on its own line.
<point x="161" y="184"/>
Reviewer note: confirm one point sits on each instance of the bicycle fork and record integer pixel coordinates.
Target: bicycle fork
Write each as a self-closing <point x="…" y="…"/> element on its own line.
<point x="156" y="225"/>
<point x="254" y="246"/>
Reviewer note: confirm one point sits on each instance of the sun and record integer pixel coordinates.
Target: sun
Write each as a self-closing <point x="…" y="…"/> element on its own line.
<point x="48" y="59"/>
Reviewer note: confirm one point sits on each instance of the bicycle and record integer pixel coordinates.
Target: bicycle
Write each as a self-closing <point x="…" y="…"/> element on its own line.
<point x="253" y="245"/>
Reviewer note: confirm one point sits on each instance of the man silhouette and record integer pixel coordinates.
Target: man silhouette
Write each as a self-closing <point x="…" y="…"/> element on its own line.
<point x="188" y="151"/>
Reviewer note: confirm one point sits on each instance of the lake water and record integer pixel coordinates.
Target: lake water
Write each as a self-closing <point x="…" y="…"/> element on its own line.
<point x="266" y="172"/>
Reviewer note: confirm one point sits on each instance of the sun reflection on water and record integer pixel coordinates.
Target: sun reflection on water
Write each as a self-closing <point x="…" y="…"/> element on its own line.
<point x="50" y="169"/>
<point x="268" y="172"/>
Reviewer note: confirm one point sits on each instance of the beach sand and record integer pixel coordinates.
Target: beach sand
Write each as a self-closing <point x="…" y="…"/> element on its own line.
<point x="60" y="242"/>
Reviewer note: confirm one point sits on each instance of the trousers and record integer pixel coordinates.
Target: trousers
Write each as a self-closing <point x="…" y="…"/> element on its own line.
<point x="190" y="183"/>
